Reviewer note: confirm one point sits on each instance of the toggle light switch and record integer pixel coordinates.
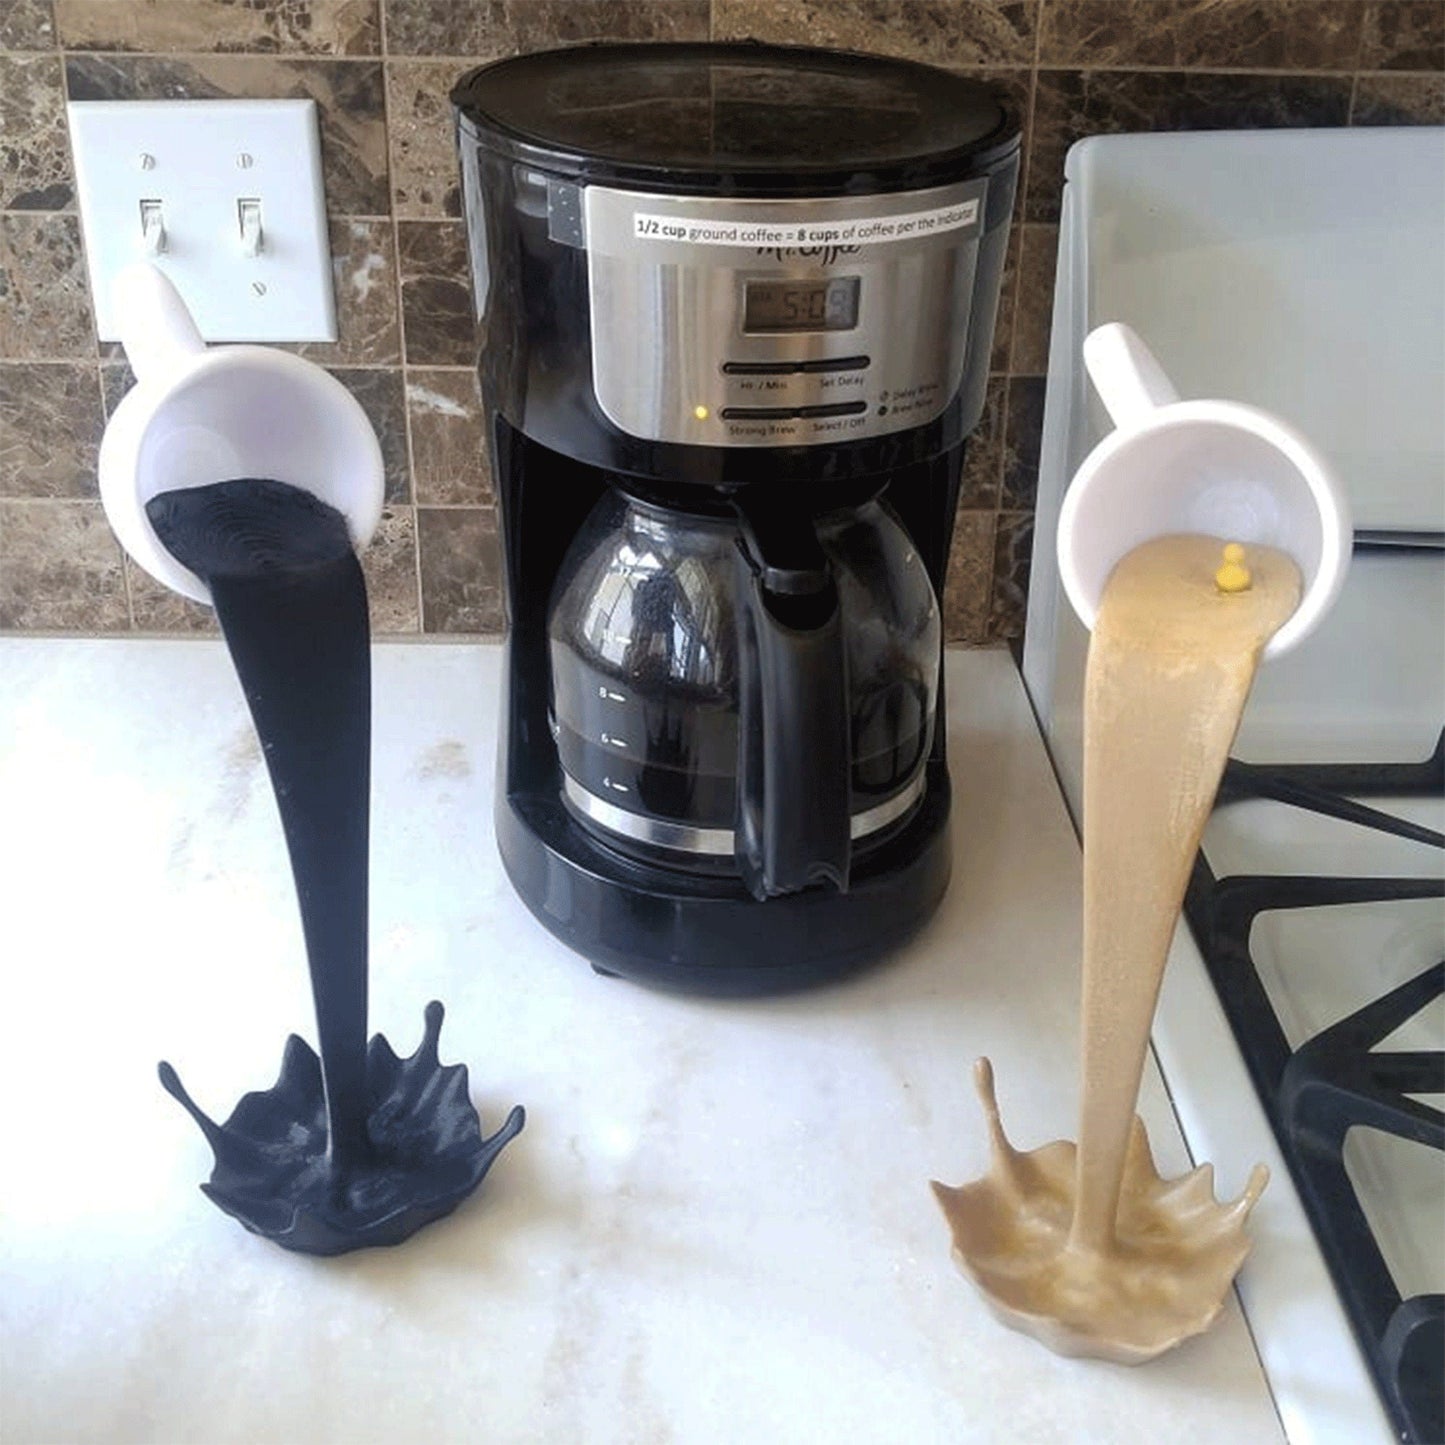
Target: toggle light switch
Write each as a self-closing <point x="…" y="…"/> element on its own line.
<point x="152" y="228"/>
<point x="225" y="196"/>
<point x="248" y="213"/>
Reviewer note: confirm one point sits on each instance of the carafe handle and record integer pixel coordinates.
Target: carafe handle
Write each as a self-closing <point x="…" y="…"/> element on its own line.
<point x="794" y="755"/>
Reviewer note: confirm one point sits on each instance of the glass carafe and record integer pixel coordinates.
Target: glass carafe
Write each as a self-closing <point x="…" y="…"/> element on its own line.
<point x="752" y="690"/>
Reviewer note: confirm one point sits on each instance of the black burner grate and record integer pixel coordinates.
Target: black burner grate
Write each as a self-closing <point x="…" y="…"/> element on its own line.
<point x="1336" y="1081"/>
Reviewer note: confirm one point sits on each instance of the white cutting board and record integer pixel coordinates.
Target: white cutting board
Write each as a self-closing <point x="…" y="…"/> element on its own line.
<point x="1300" y="271"/>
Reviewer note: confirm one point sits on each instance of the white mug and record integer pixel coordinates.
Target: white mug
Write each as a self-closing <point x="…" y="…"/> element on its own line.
<point x="200" y="414"/>
<point x="1215" y="467"/>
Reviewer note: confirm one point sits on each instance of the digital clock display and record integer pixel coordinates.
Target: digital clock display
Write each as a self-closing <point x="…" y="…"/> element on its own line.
<point x="830" y="305"/>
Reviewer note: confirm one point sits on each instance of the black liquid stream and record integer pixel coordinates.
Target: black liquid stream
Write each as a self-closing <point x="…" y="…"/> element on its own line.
<point x="367" y="1148"/>
<point x="290" y="598"/>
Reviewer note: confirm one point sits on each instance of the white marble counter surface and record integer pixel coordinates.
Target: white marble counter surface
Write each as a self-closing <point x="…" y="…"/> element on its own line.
<point x="716" y="1225"/>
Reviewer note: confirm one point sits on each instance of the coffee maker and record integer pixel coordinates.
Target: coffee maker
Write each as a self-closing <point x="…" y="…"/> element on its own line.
<point x="734" y="306"/>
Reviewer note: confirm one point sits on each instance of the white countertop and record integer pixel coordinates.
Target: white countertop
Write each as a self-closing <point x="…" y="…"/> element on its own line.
<point x="716" y="1225"/>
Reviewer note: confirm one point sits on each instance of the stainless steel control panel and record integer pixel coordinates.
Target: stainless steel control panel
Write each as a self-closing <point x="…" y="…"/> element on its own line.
<point x="779" y="323"/>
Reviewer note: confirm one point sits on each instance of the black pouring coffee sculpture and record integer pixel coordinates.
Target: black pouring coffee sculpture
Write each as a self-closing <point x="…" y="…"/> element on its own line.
<point x="356" y="1147"/>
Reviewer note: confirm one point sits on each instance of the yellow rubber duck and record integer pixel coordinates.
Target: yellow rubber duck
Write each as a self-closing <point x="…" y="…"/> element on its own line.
<point x="1233" y="576"/>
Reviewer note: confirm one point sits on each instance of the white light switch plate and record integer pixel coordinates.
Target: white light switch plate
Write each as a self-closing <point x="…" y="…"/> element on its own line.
<point x="192" y="164"/>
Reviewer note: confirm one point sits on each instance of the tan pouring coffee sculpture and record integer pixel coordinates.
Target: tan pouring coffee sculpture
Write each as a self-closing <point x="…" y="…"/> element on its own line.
<point x="1087" y="1247"/>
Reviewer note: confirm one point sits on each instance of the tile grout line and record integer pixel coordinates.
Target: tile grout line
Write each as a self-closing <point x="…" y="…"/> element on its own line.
<point x="1359" y="57"/>
<point x="405" y="366"/>
<point x="62" y="56"/>
<point x="1270" y="72"/>
<point x="470" y="60"/>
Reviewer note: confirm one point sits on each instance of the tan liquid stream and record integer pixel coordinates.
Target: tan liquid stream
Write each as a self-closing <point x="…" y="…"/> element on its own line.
<point x="1089" y="1248"/>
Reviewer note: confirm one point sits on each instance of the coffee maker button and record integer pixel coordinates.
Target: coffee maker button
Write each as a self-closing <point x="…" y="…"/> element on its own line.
<point x="760" y="413"/>
<point x="837" y="408"/>
<point x="761" y="368"/>
<point x="836" y="363"/>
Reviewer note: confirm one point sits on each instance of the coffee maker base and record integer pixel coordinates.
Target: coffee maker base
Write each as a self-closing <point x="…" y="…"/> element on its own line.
<point x="709" y="935"/>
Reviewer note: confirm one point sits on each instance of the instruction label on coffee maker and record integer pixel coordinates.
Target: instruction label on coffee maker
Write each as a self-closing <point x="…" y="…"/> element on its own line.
<point x="836" y="231"/>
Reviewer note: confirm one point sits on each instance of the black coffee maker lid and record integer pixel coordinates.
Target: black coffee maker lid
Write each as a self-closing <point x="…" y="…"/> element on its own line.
<point x="736" y="118"/>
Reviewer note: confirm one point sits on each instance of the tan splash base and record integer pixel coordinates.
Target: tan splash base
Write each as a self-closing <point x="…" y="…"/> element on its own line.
<point x="1165" y="1277"/>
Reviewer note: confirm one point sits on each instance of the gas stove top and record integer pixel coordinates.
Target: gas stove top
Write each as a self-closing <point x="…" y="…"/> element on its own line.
<point x="1316" y="903"/>
<point x="1301" y="1021"/>
<point x="1318" y="906"/>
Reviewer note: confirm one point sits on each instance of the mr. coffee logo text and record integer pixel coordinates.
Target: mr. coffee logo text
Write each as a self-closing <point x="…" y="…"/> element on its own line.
<point x="823" y="255"/>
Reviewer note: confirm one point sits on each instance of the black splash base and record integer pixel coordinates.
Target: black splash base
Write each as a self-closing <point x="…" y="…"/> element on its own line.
<point x="423" y="1153"/>
<point x="354" y="1147"/>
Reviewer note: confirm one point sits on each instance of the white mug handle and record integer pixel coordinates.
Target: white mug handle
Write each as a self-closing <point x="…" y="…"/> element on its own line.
<point x="1126" y="374"/>
<point x="156" y="328"/>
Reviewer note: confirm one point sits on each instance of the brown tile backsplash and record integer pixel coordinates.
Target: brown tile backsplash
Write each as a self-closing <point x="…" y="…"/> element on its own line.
<point x="983" y="461"/>
<point x="380" y="71"/>
<point x="1023" y="431"/>
<point x="26" y="25"/>
<point x="44" y="295"/>
<point x="50" y="425"/>
<point x="1404" y="35"/>
<point x="969" y="584"/>
<point x="34" y="157"/>
<point x="1035" y="304"/>
<point x="1203" y="34"/>
<point x="943" y="32"/>
<point x="476" y="28"/>
<point x="461" y="569"/>
<point x="485" y="29"/>
<point x="383" y="399"/>
<point x="1013" y="541"/>
<point x="60" y="568"/>
<point x="1398" y="99"/>
<point x="301" y="27"/>
<point x="1070" y="104"/>
<point x="541" y="24"/>
<point x="436" y="298"/>
<point x="1003" y="327"/>
<point x="348" y="93"/>
<point x="390" y="566"/>
<point x="424" y="180"/>
<point x="368" y="315"/>
<point x="448" y="438"/>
